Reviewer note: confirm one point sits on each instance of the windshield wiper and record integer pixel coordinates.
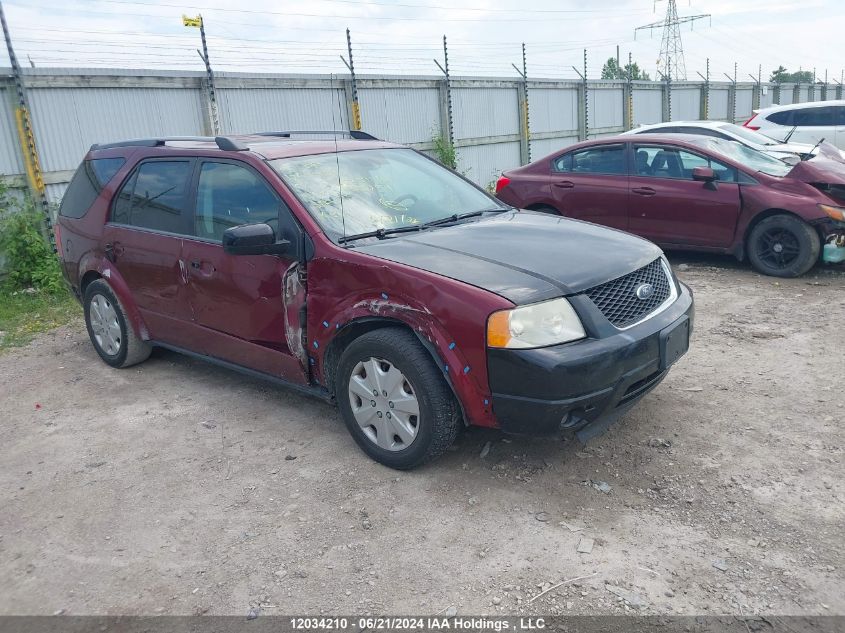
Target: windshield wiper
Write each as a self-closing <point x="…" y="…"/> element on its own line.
<point x="383" y="233"/>
<point x="462" y="216"/>
<point x="380" y="233"/>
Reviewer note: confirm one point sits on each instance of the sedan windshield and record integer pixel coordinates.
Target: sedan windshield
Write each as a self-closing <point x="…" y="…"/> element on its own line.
<point x="745" y="156"/>
<point x="356" y="192"/>
<point x="749" y="136"/>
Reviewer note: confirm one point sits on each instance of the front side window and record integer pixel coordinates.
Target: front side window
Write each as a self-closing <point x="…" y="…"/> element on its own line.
<point x="604" y="159"/>
<point x="672" y="162"/>
<point x="155" y="197"/>
<point x="745" y="156"/>
<point x="365" y="190"/>
<point x="230" y="195"/>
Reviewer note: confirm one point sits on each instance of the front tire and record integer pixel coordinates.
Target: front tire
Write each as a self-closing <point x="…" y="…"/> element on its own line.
<point x="394" y="400"/>
<point x="112" y="336"/>
<point x="783" y="246"/>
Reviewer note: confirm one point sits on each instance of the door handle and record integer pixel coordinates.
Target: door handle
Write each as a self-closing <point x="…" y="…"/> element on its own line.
<point x="644" y="191"/>
<point x="204" y="269"/>
<point x="564" y="184"/>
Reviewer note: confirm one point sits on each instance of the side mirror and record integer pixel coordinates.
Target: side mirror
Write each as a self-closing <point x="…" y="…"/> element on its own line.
<point x="703" y="174"/>
<point x="253" y="239"/>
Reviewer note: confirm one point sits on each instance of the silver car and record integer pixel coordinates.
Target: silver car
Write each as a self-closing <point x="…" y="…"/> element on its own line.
<point x="786" y="151"/>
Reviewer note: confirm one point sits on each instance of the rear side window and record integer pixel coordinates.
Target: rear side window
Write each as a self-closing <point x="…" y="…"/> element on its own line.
<point x="155" y="197"/>
<point x="814" y="117"/>
<point x="605" y="159"/>
<point x="86" y="185"/>
<point x="807" y="117"/>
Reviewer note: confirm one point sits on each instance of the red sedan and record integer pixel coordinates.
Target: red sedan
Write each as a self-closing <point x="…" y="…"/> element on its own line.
<point x="693" y="192"/>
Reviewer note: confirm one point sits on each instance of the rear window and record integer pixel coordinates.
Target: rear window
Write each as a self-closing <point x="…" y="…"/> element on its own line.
<point x="86" y="185"/>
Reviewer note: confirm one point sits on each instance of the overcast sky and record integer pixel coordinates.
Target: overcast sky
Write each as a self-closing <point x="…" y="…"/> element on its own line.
<point x="402" y="36"/>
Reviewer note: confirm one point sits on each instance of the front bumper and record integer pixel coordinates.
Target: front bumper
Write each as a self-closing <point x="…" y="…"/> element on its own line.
<point x="586" y="384"/>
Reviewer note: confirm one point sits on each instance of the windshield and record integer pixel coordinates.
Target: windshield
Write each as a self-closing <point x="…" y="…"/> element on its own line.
<point x="349" y="193"/>
<point x="750" y="136"/>
<point x="745" y="156"/>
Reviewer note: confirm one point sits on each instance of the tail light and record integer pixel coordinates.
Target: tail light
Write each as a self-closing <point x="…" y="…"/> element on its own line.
<point x="502" y="182"/>
<point x="748" y="123"/>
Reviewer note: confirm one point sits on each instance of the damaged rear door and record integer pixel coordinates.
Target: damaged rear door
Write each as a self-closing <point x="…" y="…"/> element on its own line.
<point x="246" y="309"/>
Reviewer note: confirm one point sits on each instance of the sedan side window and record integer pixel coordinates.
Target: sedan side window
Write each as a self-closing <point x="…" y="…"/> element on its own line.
<point x="670" y="162"/>
<point x="155" y="197"/>
<point x="605" y="159"/>
<point x="230" y="195"/>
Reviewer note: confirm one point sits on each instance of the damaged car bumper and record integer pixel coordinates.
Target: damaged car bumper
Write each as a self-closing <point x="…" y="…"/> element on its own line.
<point x="585" y="386"/>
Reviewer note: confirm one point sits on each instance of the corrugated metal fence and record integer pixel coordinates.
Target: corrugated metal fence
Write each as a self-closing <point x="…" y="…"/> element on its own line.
<point x="73" y="109"/>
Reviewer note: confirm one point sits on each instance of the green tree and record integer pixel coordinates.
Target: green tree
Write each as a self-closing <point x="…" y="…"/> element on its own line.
<point x="782" y="76"/>
<point x="611" y="70"/>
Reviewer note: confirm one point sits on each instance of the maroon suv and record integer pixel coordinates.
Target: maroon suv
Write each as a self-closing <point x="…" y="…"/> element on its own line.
<point x="367" y="274"/>
<point x="695" y="192"/>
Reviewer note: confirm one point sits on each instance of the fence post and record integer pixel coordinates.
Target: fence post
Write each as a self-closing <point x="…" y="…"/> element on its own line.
<point x="628" y="99"/>
<point x="446" y="122"/>
<point x="522" y="103"/>
<point x="26" y="137"/>
<point x="704" y="103"/>
<point x="796" y="93"/>
<point x="583" y="108"/>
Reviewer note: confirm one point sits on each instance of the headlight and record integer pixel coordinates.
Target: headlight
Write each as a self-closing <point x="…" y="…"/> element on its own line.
<point x="835" y="213"/>
<point x="547" y="323"/>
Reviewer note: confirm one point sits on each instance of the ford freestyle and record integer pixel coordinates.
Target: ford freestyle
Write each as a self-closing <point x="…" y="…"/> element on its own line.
<point x="367" y="274"/>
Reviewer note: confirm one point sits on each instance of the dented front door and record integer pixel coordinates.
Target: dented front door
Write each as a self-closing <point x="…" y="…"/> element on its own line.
<point x="247" y="308"/>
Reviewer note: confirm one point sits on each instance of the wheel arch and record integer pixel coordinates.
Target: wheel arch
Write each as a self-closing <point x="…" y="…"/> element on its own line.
<point x="358" y="327"/>
<point x="119" y="287"/>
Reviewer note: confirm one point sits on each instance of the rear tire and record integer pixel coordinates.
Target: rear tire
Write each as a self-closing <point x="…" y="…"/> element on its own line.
<point x="783" y="246"/>
<point x="111" y="334"/>
<point x="394" y="399"/>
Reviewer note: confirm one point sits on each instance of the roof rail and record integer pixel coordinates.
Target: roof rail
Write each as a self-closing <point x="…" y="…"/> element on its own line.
<point x="358" y="135"/>
<point x="223" y="142"/>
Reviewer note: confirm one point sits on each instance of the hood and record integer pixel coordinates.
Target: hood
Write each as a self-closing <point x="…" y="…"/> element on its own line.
<point x="819" y="170"/>
<point x="523" y="256"/>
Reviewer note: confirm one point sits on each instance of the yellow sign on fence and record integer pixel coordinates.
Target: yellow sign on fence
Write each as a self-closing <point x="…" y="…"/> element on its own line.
<point x="195" y="22"/>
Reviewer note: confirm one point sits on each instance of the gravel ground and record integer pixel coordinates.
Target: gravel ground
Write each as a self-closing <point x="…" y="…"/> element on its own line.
<point x="177" y="487"/>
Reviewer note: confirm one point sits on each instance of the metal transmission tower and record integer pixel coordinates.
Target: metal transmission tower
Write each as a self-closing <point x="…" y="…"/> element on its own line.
<point x="671" y="60"/>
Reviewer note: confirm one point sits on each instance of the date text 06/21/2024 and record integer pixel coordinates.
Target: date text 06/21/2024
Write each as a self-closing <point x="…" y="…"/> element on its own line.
<point x="453" y="623"/>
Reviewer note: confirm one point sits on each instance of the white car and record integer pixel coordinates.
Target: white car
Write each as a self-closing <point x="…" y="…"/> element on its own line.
<point x="790" y="152"/>
<point x="811" y="122"/>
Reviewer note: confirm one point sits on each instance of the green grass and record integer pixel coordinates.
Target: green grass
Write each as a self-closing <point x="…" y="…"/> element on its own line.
<point x="24" y="315"/>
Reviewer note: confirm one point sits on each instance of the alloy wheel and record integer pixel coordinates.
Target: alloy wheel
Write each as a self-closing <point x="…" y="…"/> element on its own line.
<point x="778" y="248"/>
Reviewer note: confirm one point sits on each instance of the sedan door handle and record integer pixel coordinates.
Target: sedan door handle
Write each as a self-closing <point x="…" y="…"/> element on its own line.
<point x="565" y="184"/>
<point x="644" y="191"/>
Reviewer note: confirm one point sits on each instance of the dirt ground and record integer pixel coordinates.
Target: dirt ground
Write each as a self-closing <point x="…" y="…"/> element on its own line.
<point x="177" y="487"/>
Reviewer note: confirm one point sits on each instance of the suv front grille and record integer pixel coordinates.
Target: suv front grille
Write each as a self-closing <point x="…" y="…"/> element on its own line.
<point x="618" y="300"/>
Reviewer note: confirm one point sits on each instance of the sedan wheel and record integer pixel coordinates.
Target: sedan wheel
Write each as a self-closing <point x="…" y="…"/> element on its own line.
<point x="783" y="246"/>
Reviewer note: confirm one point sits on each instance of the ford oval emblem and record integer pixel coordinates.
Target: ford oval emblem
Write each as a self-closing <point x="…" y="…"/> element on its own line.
<point x="644" y="291"/>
